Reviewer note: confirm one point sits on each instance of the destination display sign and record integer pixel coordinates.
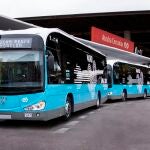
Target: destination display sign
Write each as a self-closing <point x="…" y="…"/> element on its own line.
<point x="15" y="43"/>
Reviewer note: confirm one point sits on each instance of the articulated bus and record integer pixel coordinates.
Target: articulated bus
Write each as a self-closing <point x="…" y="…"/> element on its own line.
<point x="128" y="73"/>
<point x="47" y="73"/>
<point x="127" y="80"/>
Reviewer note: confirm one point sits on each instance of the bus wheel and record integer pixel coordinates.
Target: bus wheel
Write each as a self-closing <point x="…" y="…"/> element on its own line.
<point x="124" y="96"/>
<point x="145" y="94"/>
<point x="68" y="109"/>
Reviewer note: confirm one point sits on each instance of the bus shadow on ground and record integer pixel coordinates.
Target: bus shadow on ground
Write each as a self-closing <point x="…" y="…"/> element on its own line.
<point x="127" y="100"/>
<point x="44" y="124"/>
<point x="59" y="121"/>
<point x="30" y="124"/>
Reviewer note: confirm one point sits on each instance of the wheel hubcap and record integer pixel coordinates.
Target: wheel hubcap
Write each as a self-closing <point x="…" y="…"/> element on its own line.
<point x="123" y="96"/>
<point x="68" y="109"/>
<point x="98" y="103"/>
<point x="145" y="95"/>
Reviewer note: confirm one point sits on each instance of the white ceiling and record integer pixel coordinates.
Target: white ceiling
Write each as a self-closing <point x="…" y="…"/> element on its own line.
<point x="32" y="8"/>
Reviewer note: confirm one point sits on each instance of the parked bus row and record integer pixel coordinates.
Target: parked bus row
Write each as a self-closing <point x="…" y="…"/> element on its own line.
<point x="128" y="73"/>
<point x="127" y="80"/>
<point x="47" y="73"/>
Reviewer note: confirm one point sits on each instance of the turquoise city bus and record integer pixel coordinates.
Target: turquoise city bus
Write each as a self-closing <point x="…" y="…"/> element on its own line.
<point x="127" y="80"/>
<point x="47" y="73"/>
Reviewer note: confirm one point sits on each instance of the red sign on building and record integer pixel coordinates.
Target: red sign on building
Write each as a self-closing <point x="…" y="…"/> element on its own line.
<point x="106" y="38"/>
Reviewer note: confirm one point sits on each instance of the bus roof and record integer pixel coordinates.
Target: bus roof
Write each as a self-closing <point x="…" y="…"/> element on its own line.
<point x="112" y="61"/>
<point x="115" y="53"/>
<point x="44" y="33"/>
<point x="7" y="23"/>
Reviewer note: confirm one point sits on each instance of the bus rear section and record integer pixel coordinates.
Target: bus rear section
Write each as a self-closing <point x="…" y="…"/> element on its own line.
<point x="45" y="78"/>
<point x="127" y="80"/>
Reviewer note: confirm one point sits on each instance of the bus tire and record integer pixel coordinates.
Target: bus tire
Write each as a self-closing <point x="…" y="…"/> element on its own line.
<point x="68" y="108"/>
<point x="124" y="96"/>
<point x="98" y="101"/>
<point x="145" y="94"/>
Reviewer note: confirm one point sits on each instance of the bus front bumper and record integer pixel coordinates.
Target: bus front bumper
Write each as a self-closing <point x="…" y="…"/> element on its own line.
<point x="41" y="116"/>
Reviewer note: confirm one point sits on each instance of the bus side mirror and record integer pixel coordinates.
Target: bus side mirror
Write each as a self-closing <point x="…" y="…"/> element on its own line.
<point x="50" y="63"/>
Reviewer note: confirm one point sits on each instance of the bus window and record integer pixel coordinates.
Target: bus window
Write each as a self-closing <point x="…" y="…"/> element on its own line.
<point x="129" y="78"/>
<point x="116" y="74"/>
<point x="148" y="77"/>
<point x="54" y="75"/>
<point x="109" y="76"/>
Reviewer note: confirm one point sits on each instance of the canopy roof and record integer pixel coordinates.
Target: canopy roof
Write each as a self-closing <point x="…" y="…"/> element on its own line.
<point x="115" y="53"/>
<point x="110" y="52"/>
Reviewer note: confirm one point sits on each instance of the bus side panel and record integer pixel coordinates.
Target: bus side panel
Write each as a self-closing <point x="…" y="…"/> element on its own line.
<point x="148" y="90"/>
<point x="56" y="95"/>
<point x="84" y="95"/>
<point x="103" y="89"/>
<point x="147" y="87"/>
<point x="116" y="91"/>
<point x="89" y="92"/>
<point x="132" y="91"/>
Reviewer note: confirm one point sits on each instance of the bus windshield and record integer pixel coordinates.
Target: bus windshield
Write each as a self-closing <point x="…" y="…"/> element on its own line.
<point x="20" y="71"/>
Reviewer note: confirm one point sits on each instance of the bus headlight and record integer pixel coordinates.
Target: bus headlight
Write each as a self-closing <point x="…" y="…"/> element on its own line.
<point x="38" y="106"/>
<point x="109" y="93"/>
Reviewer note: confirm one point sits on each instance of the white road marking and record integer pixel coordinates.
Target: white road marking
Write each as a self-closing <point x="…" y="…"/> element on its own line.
<point x="129" y="103"/>
<point x="61" y="130"/>
<point x="83" y="117"/>
<point x="117" y="104"/>
<point x="72" y="123"/>
<point x="92" y="112"/>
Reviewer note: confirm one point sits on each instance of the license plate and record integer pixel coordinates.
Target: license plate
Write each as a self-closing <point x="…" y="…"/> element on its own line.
<point x="5" y="116"/>
<point x="28" y="115"/>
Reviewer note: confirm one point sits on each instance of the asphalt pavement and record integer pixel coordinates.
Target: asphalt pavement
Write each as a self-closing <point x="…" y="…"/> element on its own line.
<point x="115" y="126"/>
